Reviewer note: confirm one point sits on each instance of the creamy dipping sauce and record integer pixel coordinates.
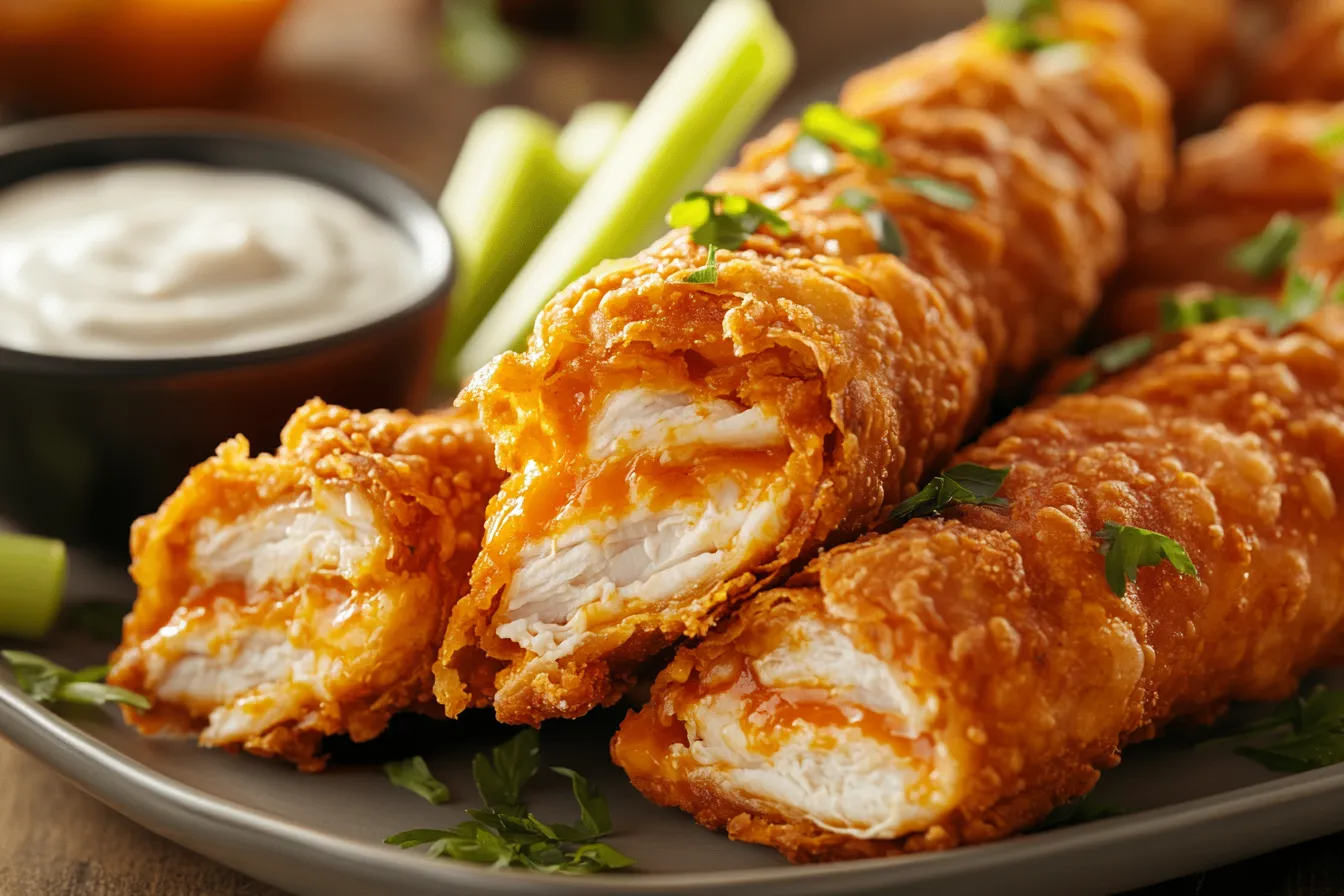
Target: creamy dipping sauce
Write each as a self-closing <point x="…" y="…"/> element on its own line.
<point x="171" y="260"/>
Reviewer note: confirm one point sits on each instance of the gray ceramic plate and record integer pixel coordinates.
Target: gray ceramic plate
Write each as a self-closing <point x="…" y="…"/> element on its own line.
<point x="321" y="834"/>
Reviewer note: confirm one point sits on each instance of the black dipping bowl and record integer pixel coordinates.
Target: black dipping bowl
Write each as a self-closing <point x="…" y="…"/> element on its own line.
<point x="87" y="445"/>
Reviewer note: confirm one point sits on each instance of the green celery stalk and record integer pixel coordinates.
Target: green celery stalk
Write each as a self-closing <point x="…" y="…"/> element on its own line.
<point x="589" y="135"/>
<point x="514" y="177"/>
<point x="505" y="192"/>
<point x="710" y="96"/>
<point x="32" y="580"/>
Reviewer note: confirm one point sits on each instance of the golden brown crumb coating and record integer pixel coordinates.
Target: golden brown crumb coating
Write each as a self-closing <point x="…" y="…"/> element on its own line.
<point x="874" y="366"/>
<point x="287" y="597"/>
<point x="1231" y="443"/>
<point x="1306" y="60"/>
<point x="1267" y="159"/>
<point x="1191" y="46"/>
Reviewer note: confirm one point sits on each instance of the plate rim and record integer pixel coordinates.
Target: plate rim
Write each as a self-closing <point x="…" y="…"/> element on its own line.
<point x="33" y="726"/>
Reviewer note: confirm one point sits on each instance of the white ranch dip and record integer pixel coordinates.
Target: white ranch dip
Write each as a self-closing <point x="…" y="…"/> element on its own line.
<point x="168" y="260"/>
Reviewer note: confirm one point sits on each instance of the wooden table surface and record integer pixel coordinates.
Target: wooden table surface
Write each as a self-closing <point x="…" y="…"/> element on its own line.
<point x="366" y="70"/>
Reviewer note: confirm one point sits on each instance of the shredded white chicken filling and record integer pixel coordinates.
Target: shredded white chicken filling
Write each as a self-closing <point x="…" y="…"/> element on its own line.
<point x="247" y="676"/>
<point x="839" y="778"/>
<point x="284" y="543"/>
<point x="564" y="586"/>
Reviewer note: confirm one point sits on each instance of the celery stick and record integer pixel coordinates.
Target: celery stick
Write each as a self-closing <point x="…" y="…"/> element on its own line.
<point x="709" y="97"/>
<point x="32" y="579"/>
<point x="506" y="190"/>
<point x="589" y="135"/>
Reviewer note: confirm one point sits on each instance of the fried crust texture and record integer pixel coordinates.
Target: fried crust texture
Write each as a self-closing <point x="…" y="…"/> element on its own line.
<point x="1002" y="620"/>
<point x="370" y="523"/>
<point x="1266" y="160"/>
<point x="873" y="364"/>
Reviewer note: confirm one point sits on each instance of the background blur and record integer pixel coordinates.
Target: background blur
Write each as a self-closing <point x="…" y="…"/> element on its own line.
<point x="404" y="78"/>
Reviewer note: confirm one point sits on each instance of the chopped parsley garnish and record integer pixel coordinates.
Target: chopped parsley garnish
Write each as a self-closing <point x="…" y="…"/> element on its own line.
<point x="880" y="224"/>
<point x="46" y="682"/>
<point x="829" y="128"/>
<point x="1077" y="811"/>
<point x="961" y="484"/>
<point x="1309" y="734"/>
<point x="501" y="774"/>
<point x="1014" y="24"/>
<point x="1177" y="315"/>
<point x="414" y="775"/>
<point x="1110" y="359"/>
<point x="710" y="272"/>
<point x="1126" y="548"/>
<point x="1301" y="298"/>
<point x="1301" y="734"/>
<point x="940" y="192"/>
<point x="1267" y="253"/>
<point x="724" y="220"/>
<point x="505" y="833"/>
<point x="1330" y="139"/>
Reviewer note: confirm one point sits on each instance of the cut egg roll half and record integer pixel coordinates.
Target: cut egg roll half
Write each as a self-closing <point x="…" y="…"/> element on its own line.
<point x="954" y="680"/>
<point x="674" y="441"/>
<point x="284" y="598"/>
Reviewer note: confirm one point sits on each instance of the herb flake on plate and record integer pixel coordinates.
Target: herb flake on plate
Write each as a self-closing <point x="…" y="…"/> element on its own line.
<point x="1077" y="811"/>
<point x="506" y="834"/>
<point x="414" y="775"/>
<point x="1303" y="733"/>
<point x="47" y="682"/>
<point x="1127" y="548"/>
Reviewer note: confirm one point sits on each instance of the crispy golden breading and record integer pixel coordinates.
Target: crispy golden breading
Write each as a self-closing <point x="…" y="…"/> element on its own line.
<point x="287" y="597"/>
<point x="1318" y="257"/>
<point x="1029" y="672"/>
<point x="1191" y="46"/>
<point x="846" y="374"/>
<point x="1306" y="60"/>
<point x="1229" y="183"/>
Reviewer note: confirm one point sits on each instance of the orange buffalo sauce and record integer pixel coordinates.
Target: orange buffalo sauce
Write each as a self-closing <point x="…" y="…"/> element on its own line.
<point x="549" y="500"/>
<point x="643" y="745"/>
<point x="770" y="715"/>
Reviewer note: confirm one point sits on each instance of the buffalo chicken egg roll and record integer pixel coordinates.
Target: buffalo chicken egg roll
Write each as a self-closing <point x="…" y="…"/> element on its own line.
<point x="672" y="444"/>
<point x="955" y="679"/>
<point x="287" y="597"/>
<point x="1269" y="169"/>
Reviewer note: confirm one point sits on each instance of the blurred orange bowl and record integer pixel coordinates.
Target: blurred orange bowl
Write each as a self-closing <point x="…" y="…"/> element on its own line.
<point x="64" y="55"/>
